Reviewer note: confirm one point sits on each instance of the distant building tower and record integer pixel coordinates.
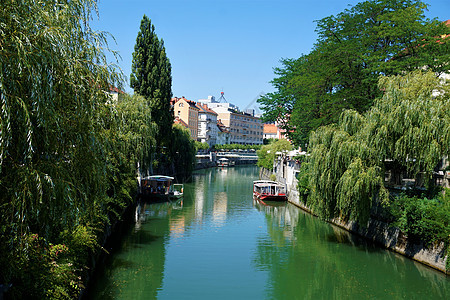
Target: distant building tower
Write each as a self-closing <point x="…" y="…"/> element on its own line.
<point x="222" y="98"/>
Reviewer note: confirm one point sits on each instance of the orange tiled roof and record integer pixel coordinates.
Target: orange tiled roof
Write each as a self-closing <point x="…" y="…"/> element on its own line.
<point x="181" y="122"/>
<point x="221" y="126"/>
<point x="270" y="129"/>
<point x="116" y="90"/>
<point x="190" y="102"/>
<point x="205" y="108"/>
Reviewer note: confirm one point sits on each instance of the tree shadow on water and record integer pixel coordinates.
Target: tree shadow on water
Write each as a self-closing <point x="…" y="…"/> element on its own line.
<point x="341" y="236"/>
<point x="142" y="237"/>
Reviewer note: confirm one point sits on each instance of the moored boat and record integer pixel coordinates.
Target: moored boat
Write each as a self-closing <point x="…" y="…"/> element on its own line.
<point x="225" y="162"/>
<point x="160" y="187"/>
<point x="269" y="190"/>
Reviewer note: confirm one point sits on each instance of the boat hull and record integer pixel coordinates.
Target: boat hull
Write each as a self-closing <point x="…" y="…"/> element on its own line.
<point x="153" y="197"/>
<point x="280" y="197"/>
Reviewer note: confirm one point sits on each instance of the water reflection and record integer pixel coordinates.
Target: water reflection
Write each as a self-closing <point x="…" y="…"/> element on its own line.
<point x="309" y="259"/>
<point x="145" y="210"/>
<point x="280" y="220"/>
<point x="220" y="243"/>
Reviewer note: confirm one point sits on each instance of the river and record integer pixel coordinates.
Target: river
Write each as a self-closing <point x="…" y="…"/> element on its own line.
<point x="219" y="243"/>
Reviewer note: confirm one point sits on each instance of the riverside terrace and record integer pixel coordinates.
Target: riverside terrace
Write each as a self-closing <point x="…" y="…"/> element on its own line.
<point x="238" y="157"/>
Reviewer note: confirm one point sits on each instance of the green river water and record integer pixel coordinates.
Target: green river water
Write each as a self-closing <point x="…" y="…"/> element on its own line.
<point x="219" y="243"/>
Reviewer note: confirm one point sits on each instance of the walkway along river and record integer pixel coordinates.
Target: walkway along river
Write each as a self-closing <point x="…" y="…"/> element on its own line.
<point x="219" y="243"/>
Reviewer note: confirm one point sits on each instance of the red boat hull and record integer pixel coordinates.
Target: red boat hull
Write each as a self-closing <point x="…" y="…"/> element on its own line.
<point x="268" y="197"/>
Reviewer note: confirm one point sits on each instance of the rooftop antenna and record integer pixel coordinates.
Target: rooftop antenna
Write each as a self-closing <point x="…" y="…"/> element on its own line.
<point x="254" y="105"/>
<point x="222" y="98"/>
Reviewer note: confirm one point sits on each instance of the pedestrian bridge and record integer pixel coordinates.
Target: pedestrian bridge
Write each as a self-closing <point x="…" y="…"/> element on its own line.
<point x="239" y="158"/>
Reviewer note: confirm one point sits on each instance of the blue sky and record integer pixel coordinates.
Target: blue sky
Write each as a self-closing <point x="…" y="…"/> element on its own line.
<point x="225" y="45"/>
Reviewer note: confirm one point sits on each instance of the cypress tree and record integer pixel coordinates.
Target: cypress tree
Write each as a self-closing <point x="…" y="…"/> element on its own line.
<point x="151" y="78"/>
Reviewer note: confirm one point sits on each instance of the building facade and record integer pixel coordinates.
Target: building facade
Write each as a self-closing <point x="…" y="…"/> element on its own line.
<point x="273" y="131"/>
<point x="223" y="135"/>
<point x="270" y="131"/>
<point x="187" y="111"/>
<point x="207" y="125"/>
<point x="244" y="128"/>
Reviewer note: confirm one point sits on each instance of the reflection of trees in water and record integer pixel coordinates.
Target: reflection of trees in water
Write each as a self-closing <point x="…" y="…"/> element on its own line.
<point x="279" y="220"/>
<point x="129" y="267"/>
<point x="145" y="210"/>
<point x="223" y="190"/>
<point x="308" y="258"/>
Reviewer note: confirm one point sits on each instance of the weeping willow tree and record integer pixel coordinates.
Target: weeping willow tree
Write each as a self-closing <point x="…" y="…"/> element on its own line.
<point x="128" y="138"/>
<point x="183" y="150"/>
<point x="53" y="144"/>
<point x="407" y="127"/>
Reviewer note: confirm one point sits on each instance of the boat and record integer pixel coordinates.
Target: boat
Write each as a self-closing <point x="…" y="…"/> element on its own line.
<point x="269" y="190"/>
<point x="225" y="162"/>
<point x="160" y="187"/>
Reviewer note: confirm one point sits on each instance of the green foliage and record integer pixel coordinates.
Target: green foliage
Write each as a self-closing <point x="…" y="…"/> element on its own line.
<point x="268" y="141"/>
<point x="184" y="151"/>
<point x="129" y="139"/>
<point x="151" y="78"/>
<point x="303" y="186"/>
<point x="408" y="126"/>
<point x="267" y="153"/>
<point x="219" y="147"/>
<point x="50" y="91"/>
<point x="82" y="241"/>
<point x="201" y="146"/>
<point x="68" y="152"/>
<point x="423" y="219"/>
<point x="43" y="271"/>
<point x="355" y="47"/>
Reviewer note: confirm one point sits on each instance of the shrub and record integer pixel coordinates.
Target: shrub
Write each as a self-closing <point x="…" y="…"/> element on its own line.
<point x="303" y="186"/>
<point x="43" y="271"/>
<point x="423" y="219"/>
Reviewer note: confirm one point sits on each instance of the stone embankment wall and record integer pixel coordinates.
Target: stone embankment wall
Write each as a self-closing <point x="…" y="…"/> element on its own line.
<point x="377" y="231"/>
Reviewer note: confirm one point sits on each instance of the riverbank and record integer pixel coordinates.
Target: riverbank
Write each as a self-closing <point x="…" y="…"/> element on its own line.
<point x="377" y="231"/>
<point x="219" y="228"/>
<point x="211" y="159"/>
<point x="109" y="240"/>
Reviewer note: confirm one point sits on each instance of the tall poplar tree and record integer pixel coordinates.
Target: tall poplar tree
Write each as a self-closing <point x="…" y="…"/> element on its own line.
<point x="151" y="78"/>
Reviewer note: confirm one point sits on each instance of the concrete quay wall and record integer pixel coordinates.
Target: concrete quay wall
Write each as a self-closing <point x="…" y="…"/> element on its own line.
<point x="380" y="232"/>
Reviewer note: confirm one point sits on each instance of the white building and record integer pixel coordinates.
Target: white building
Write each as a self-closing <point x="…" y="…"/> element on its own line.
<point x="207" y="125"/>
<point x="240" y="128"/>
<point x="213" y="103"/>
